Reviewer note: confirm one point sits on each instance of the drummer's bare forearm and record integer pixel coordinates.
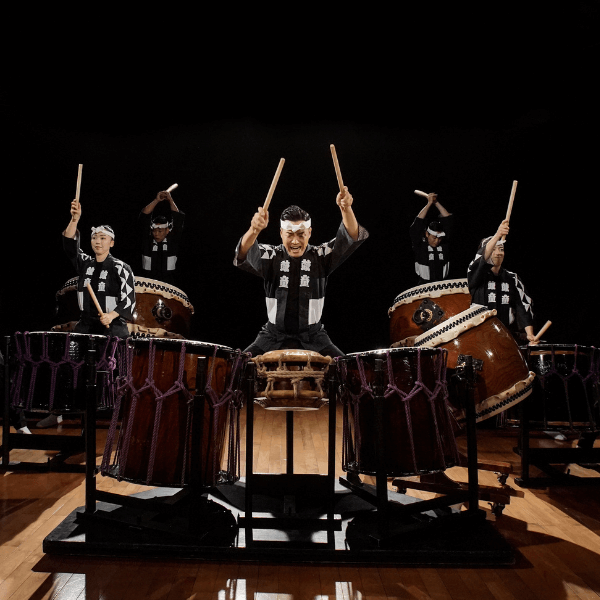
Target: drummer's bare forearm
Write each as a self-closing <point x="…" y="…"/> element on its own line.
<point x="442" y="210"/>
<point x="489" y="247"/>
<point x="71" y="229"/>
<point x="247" y="242"/>
<point x="424" y="211"/>
<point x="173" y="205"/>
<point x="350" y="222"/>
<point x="150" y="207"/>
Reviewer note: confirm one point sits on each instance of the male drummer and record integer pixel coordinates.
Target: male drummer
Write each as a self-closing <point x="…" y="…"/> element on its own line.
<point x="111" y="280"/>
<point x="493" y="286"/>
<point x="430" y="243"/>
<point x="161" y="237"/>
<point x="295" y="274"/>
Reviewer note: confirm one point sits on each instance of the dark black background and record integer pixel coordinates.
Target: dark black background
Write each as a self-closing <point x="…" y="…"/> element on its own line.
<point x="462" y="108"/>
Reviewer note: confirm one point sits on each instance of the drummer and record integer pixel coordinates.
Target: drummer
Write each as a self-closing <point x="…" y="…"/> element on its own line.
<point x="295" y="274"/>
<point x="111" y="280"/>
<point x="429" y="240"/>
<point x="491" y="285"/>
<point x="161" y="237"/>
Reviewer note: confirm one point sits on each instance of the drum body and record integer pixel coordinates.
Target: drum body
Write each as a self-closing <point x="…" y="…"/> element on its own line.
<point x="291" y="380"/>
<point x="162" y="310"/>
<point x="154" y="445"/>
<point x="418" y="434"/>
<point x="502" y="376"/>
<point x="566" y="392"/>
<point x="420" y="308"/>
<point x="50" y="375"/>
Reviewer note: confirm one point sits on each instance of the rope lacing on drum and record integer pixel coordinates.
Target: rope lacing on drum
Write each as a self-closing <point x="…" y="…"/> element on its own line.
<point x="233" y="398"/>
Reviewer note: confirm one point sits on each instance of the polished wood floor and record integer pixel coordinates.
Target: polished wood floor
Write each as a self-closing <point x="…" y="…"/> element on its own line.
<point x="555" y="531"/>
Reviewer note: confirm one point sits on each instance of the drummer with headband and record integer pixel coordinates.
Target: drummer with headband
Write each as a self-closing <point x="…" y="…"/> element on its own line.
<point x="111" y="280"/>
<point x="295" y="275"/>
<point x="491" y="285"/>
<point x="161" y="237"/>
<point x="430" y="242"/>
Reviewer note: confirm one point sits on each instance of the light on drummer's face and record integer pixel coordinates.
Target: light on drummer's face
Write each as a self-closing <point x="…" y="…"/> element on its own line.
<point x="498" y="254"/>
<point x="295" y="242"/>
<point x="101" y="243"/>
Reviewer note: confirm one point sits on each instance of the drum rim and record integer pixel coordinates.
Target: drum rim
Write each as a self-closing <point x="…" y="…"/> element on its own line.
<point x="70" y="333"/>
<point x="135" y="341"/>
<point x="559" y="346"/>
<point x="443" y="288"/>
<point x="384" y="351"/>
<point x="145" y="283"/>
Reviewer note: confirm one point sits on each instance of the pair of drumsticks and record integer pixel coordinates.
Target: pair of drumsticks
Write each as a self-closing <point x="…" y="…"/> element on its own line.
<point x="508" y="213"/>
<point x="336" y="165"/>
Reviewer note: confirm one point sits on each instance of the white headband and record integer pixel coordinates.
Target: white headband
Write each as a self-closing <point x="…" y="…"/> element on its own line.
<point x="103" y="229"/>
<point x="289" y="226"/>
<point x="160" y="225"/>
<point x="436" y="233"/>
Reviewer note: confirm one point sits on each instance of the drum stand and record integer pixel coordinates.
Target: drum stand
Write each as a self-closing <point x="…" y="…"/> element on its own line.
<point x="184" y="521"/>
<point x="545" y="459"/>
<point x="296" y="489"/>
<point x="393" y="521"/>
<point x="66" y="445"/>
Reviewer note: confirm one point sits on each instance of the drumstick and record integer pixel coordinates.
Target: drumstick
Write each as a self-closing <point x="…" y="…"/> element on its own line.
<point x="420" y="193"/>
<point x="510" y="202"/>
<point x="91" y="291"/>
<point x="171" y="188"/>
<point x="542" y="330"/>
<point x="273" y="184"/>
<point x="336" y="165"/>
<point x="78" y="182"/>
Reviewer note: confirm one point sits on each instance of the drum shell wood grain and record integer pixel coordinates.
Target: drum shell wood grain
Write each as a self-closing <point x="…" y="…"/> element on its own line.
<point x="402" y="325"/>
<point x="180" y="321"/>
<point x="503" y="364"/>
<point x="427" y="419"/>
<point x="566" y="392"/>
<point x="173" y="433"/>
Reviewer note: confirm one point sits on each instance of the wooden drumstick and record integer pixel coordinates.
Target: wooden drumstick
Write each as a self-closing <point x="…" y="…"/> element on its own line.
<point x="336" y="165"/>
<point x="510" y="202"/>
<point x="542" y="331"/>
<point x="420" y="193"/>
<point x="78" y="182"/>
<point x="172" y="187"/>
<point x="91" y="291"/>
<point x="273" y="184"/>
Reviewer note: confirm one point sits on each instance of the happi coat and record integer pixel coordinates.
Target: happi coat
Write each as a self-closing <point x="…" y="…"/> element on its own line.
<point x="299" y="280"/>
<point x="112" y="281"/>
<point x="504" y="292"/>
<point x="159" y="259"/>
<point x="431" y="264"/>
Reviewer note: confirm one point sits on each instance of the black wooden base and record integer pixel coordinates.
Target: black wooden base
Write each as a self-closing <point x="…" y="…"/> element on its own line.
<point x="212" y="532"/>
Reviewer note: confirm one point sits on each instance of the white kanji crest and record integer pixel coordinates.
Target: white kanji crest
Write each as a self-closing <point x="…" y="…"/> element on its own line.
<point x="285" y="266"/>
<point x="283" y="281"/>
<point x="101" y="286"/>
<point x="491" y="285"/>
<point x="431" y="256"/>
<point x="89" y="271"/>
<point x="304" y="281"/>
<point x="86" y="282"/>
<point x="441" y="257"/>
<point x="440" y="249"/>
<point x="505" y="298"/>
<point x="103" y="275"/>
<point x="505" y="287"/>
<point x="492" y="297"/>
<point x="305" y="265"/>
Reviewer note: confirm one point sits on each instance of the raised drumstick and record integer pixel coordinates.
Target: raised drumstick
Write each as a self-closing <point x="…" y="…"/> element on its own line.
<point x="78" y="182"/>
<point x="542" y="331"/>
<point x="172" y="187"/>
<point x="273" y="184"/>
<point x="420" y="193"/>
<point x="336" y="165"/>
<point x="91" y="291"/>
<point x="510" y="202"/>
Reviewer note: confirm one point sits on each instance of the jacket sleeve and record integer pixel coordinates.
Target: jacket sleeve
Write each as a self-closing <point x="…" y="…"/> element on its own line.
<point x="337" y="250"/>
<point x="258" y="261"/>
<point x="126" y="301"/>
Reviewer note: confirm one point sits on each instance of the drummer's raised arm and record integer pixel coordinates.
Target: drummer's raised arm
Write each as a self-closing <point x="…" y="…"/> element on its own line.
<point x="345" y="201"/>
<point x="489" y="247"/>
<point x="71" y="229"/>
<point x="260" y="220"/>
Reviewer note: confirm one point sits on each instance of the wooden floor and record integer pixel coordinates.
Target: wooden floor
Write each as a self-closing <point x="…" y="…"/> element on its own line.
<point x="556" y="532"/>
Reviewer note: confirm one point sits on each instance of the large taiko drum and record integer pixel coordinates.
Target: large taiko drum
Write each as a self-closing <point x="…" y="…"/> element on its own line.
<point x="566" y="392"/>
<point x="162" y="310"/>
<point x="156" y="410"/>
<point x="291" y="380"/>
<point x="503" y="378"/>
<point x="418" y="309"/>
<point x="418" y="432"/>
<point x="49" y="370"/>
